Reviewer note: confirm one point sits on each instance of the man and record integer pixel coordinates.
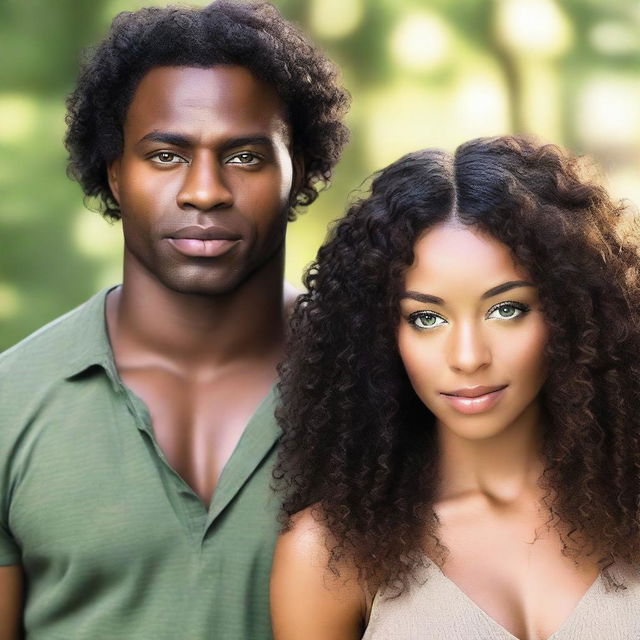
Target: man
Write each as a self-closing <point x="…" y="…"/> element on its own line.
<point x="137" y="432"/>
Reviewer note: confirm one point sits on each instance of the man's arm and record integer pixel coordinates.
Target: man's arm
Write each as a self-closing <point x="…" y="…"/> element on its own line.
<point x="11" y="590"/>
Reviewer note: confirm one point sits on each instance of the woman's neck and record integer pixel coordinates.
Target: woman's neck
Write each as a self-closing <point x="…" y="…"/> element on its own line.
<point x="501" y="468"/>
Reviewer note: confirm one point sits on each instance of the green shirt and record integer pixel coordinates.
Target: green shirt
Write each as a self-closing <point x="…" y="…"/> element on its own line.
<point x="114" y="544"/>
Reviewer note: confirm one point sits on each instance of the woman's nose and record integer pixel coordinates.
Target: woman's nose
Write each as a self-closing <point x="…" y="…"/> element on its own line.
<point x="468" y="349"/>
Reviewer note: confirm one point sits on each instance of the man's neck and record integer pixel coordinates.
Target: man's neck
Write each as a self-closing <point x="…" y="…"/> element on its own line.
<point x="149" y="322"/>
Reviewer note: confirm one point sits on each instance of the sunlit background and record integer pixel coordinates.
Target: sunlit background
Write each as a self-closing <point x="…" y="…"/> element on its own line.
<point x="421" y="73"/>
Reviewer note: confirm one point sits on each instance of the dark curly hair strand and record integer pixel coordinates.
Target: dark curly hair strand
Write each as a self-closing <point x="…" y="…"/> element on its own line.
<point x="358" y="443"/>
<point x="251" y="35"/>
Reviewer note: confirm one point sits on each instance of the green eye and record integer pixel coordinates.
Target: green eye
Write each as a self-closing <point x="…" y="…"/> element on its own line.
<point x="507" y="310"/>
<point x="426" y="320"/>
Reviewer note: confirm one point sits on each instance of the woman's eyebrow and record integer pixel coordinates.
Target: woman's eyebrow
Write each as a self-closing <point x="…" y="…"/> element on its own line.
<point x="507" y="286"/>
<point x="422" y="297"/>
<point x="494" y="291"/>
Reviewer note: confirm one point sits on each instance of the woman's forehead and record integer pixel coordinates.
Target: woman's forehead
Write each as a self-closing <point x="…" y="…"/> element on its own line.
<point x="460" y="257"/>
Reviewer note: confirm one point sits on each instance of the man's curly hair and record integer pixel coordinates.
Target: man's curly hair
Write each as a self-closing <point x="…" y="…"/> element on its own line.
<point x="251" y="35"/>
<point x="358" y="443"/>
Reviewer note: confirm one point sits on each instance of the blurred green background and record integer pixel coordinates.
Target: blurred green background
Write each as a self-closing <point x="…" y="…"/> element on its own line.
<point x="421" y="73"/>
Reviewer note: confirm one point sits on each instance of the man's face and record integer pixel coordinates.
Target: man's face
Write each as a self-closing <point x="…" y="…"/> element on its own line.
<point x="204" y="178"/>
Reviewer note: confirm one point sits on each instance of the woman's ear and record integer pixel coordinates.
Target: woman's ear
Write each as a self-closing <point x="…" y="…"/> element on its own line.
<point x="298" y="176"/>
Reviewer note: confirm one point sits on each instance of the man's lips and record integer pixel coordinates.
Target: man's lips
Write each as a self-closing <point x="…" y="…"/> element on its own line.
<point x="474" y="399"/>
<point x="203" y="242"/>
<point x="212" y="232"/>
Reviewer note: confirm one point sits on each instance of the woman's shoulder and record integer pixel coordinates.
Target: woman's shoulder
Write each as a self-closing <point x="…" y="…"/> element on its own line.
<point x="306" y="533"/>
<point x="307" y="546"/>
<point x="308" y="593"/>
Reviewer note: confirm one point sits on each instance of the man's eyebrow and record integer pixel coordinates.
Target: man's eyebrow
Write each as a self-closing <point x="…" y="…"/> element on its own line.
<point x="507" y="286"/>
<point x="181" y="140"/>
<point x="167" y="137"/>
<point x="247" y="141"/>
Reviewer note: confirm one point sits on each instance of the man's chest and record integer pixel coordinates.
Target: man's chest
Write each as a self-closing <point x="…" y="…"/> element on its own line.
<point x="88" y="479"/>
<point x="197" y="423"/>
<point x="109" y="534"/>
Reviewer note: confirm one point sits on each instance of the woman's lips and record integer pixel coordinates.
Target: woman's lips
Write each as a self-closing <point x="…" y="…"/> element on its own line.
<point x="474" y="400"/>
<point x="196" y="248"/>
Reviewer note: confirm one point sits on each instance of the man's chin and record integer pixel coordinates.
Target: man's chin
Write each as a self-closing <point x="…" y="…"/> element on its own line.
<point x="194" y="286"/>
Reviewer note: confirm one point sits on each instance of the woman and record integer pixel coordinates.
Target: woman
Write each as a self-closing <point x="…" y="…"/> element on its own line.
<point x="461" y="448"/>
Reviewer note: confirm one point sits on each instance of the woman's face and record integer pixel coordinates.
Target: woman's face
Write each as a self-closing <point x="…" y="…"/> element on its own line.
<point x="472" y="334"/>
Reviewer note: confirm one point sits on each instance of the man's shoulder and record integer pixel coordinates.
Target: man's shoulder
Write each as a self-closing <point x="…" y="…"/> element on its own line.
<point x="47" y="351"/>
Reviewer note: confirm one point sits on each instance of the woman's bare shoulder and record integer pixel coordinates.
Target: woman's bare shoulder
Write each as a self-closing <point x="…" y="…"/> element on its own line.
<point x="307" y="537"/>
<point x="308" y="598"/>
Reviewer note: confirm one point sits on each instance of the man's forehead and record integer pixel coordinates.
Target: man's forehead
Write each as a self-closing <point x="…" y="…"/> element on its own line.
<point x="183" y="96"/>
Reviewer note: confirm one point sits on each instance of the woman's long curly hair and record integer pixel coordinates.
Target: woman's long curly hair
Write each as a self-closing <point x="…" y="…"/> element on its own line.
<point x="358" y="443"/>
<point x="227" y="32"/>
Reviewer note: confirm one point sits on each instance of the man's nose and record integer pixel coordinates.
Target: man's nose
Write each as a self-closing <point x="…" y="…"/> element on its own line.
<point x="468" y="349"/>
<point x="204" y="187"/>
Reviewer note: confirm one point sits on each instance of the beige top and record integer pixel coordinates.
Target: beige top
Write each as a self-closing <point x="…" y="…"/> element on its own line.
<point x="436" y="609"/>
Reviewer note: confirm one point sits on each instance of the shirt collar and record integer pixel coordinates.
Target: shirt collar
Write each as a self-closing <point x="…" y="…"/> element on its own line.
<point x="91" y="346"/>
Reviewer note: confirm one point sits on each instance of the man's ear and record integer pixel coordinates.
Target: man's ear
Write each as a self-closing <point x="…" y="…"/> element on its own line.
<point x="113" y="176"/>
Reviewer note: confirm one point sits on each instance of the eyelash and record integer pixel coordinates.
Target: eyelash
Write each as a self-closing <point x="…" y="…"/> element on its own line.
<point x="254" y="158"/>
<point x="156" y="157"/>
<point x="520" y="306"/>
<point x="414" y="317"/>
